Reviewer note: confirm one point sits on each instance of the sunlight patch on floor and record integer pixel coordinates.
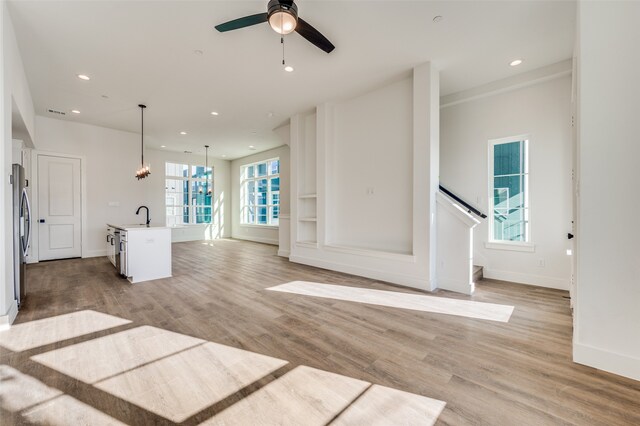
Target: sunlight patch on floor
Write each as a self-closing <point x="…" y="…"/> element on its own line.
<point x="39" y="404"/>
<point x="32" y="334"/>
<point x="65" y="410"/>
<point x="176" y="376"/>
<point x="19" y="391"/>
<point x="303" y="396"/>
<point x="380" y="405"/>
<point x="394" y="299"/>
<point x="308" y="396"/>
<point x="181" y="385"/>
<point x="108" y="356"/>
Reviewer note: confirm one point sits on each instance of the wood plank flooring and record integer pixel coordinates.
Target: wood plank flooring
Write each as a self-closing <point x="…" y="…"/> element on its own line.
<point x="494" y="373"/>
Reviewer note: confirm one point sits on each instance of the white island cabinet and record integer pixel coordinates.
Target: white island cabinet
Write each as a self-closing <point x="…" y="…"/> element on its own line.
<point x="145" y="252"/>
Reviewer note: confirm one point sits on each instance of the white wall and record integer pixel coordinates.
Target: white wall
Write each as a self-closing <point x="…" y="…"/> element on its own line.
<point x="14" y="90"/>
<point x="372" y="170"/>
<point x="262" y="234"/>
<point x="543" y="111"/>
<point x="386" y="139"/>
<point x="110" y="158"/>
<point x="607" y="308"/>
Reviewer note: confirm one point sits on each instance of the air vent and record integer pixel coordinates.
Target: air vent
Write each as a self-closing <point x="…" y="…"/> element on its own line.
<point x="55" y="111"/>
<point x="188" y="152"/>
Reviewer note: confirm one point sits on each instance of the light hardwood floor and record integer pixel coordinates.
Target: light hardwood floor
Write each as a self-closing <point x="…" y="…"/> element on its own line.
<point x="488" y="372"/>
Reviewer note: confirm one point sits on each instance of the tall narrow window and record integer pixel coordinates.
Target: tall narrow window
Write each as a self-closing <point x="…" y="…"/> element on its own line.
<point x="509" y="190"/>
<point x="188" y="194"/>
<point x="260" y="193"/>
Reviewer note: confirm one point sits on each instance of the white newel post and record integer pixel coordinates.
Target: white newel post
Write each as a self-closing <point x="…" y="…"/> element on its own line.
<point x="454" y="246"/>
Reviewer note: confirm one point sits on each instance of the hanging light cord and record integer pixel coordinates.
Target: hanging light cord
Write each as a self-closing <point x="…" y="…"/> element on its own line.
<point x="142" y="135"/>
<point x="282" y="42"/>
<point x="206" y="166"/>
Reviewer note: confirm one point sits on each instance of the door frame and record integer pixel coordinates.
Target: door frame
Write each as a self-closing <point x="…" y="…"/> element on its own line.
<point x="34" y="255"/>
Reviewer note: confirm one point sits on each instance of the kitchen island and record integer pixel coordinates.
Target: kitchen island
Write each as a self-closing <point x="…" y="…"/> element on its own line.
<point x="144" y="251"/>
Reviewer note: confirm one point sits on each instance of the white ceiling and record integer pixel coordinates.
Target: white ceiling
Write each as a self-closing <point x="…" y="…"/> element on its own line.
<point x="143" y="52"/>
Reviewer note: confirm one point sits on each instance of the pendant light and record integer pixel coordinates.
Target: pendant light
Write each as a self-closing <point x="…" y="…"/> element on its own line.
<point x="206" y="168"/>
<point x="144" y="171"/>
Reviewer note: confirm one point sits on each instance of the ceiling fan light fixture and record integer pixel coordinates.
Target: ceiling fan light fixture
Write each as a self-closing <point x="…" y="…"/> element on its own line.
<point x="283" y="16"/>
<point x="283" y="22"/>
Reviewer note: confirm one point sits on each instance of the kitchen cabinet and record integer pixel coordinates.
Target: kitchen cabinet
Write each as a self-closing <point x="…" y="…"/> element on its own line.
<point x="145" y="252"/>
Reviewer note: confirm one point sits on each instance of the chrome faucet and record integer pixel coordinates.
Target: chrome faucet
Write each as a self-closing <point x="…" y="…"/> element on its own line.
<point x="147" y="208"/>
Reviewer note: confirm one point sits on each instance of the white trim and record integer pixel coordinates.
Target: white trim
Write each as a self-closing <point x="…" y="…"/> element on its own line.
<point x="253" y="225"/>
<point x="527" y="279"/>
<point x="392" y="277"/>
<point x="35" y="244"/>
<point x="457" y="286"/>
<point x="270" y="241"/>
<point x="256" y="178"/>
<point x="284" y="253"/>
<point x="525" y="137"/>
<point x="510" y="245"/>
<point x="520" y="81"/>
<point x="189" y="179"/>
<point x="10" y="317"/>
<point x="94" y="253"/>
<point x="456" y="210"/>
<point x="612" y="362"/>
<point x="402" y="257"/>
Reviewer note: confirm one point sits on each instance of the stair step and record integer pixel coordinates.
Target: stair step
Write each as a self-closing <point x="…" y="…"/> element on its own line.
<point x="477" y="273"/>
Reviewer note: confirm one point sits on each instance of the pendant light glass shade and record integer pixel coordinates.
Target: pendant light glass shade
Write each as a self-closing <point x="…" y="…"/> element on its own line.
<point x="283" y="22"/>
<point x="143" y="171"/>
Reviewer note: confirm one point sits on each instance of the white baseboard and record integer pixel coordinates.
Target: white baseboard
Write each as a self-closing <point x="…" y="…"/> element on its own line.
<point x="284" y="253"/>
<point x="529" y="279"/>
<point x="271" y="241"/>
<point x="622" y="365"/>
<point x="94" y="253"/>
<point x="8" y="319"/>
<point x="392" y="277"/>
<point x="456" y="286"/>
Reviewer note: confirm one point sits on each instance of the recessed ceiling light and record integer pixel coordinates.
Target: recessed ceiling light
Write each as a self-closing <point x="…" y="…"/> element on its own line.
<point x="163" y="146"/>
<point x="224" y="156"/>
<point x="252" y="147"/>
<point x="84" y="77"/>
<point x="515" y="63"/>
<point x="437" y="19"/>
<point x="214" y="113"/>
<point x="288" y="68"/>
<point x="105" y="96"/>
<point x="183" y="133"/>
<point x="198" y="52"/>
<point x="75" y="111"/>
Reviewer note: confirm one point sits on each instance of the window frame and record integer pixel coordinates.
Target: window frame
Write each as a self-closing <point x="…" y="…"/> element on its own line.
<point x="244" y="183"/>
<point x="190" y="181"/>
<point x="492" y="243"/>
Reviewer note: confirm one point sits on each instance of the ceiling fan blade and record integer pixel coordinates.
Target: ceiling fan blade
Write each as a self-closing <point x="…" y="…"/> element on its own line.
<point x="247" y="21"/>
<point x="312" y="35"/>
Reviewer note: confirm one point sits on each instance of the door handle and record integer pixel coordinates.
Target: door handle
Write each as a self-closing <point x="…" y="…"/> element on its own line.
<point x="41" y="221"/>
<point x="569" y="236"/>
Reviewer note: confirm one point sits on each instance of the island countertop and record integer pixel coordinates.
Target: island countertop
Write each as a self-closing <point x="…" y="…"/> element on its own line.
<point x="132" y="227"/>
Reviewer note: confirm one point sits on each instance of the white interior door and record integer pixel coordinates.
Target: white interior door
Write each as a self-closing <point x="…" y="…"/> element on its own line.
<point x="59" y="217"/>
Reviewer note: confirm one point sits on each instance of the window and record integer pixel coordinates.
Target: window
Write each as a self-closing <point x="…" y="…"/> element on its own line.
<point x="509" y="190"/>
<point x="188" y="194"/>
<point x="260" y="193"/>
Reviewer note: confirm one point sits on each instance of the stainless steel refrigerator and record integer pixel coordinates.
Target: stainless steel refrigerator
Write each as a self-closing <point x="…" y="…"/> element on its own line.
<point x="21" y="231"/>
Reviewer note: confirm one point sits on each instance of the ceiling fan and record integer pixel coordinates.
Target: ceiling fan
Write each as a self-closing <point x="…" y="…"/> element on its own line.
<point x="283" y="18"/>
